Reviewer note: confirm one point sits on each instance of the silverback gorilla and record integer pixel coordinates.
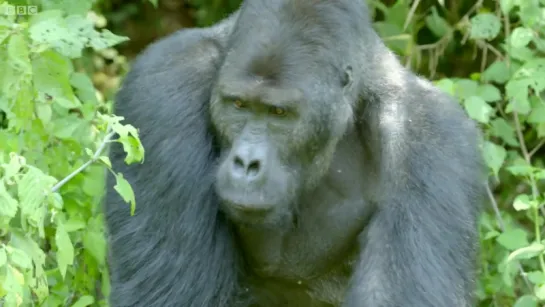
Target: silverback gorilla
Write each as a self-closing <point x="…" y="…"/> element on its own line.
<point x="292" y="162"/>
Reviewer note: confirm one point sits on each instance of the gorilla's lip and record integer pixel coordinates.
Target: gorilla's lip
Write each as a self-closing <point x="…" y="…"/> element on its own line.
<point x="248" y="207"/>
<point x="246" y="200"/>
<point x="252" y="208"/>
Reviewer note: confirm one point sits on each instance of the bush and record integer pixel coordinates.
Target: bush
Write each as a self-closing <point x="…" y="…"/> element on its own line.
<point x="54" y="129"/>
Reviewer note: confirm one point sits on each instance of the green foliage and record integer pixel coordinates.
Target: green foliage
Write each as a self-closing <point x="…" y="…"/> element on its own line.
<point x="208" y="12"/>
<point x="54" y="129"/>
<point x="506" y="98"/>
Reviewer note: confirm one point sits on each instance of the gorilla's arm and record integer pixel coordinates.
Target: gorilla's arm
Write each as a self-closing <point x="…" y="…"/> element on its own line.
<point x="419" y="249"/>
<point x="176" y="250"/>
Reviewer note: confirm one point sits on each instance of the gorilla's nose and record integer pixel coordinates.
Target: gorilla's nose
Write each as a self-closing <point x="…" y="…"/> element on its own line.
<point x="246" y="167"/>
<point x="248" y="164"/>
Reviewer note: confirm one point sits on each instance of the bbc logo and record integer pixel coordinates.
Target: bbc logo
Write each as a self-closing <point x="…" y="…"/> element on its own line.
<point x="20" y="9"/>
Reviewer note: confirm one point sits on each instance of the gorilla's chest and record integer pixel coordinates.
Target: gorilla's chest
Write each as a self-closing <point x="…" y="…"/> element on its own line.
<point x="327" y="290"/>
<point x="311" y="264"/>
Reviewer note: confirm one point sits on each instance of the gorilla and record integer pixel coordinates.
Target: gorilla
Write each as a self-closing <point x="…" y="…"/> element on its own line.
<point x="292" y="161"/>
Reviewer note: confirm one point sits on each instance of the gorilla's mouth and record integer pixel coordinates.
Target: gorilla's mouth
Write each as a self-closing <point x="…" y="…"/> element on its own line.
<point x="248" y="209"/>
<point x="249" y="216"/>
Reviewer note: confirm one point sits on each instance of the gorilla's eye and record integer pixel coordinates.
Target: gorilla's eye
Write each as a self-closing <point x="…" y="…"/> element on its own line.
<point x="278" y="111"/>
<point x="239" y="104"/>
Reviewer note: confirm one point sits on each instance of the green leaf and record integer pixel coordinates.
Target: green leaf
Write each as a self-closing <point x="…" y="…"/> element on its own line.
<point x="13" y="281"/>
<point x="513" y="239"/>
<point x="491" y="234"/>
<point x="92" y="186"/>
<point x="532" y="74"/>
<point x="485" y="26"/>
<point x="526" y="300"/>
<point x="14" y="166"/>
<point x="74" y="224"/>
<point x="125" y="191"/>
<point x="506" y="6"/>
<point x="56" y="33"/>
<point x="522" y="54"/>
<point x="80" y="7"/>
<point x="3" y="257"/>
<point x="33" y="189"/>
<point x="106" y="161"/>
<point x="8" y="204"/>
<point x="46" y="14"/>
<point x="520" y="170"/>
<point x="536" y="277"/>
<point x="489" y="92"/>
<point x="65" y="128"/>
<point x="5" y="32"/>
<point x="527" y="252"/>
<point x="72" y="103"/>
<point x="51" y="77"/>
<point x="83" y="301"/>
<point x="437" y="24"/>
<point x="497" y="72"/>
<point x="537" y="115"/>
<point x="517" y="92"/>
<point x="55" y="200"/>
<point x="18" y="54"/>
<point x="499" y="127"/>
<point x="128" y="136"/>
<point x="478" y="109"/>
<point x="522" y="202"/>
<point x="65" y="249"/>
<point x="44" y="112"/>
<point x="133" y="148"/>
<point x="494" y="156"/>
<point x="84" y="87"/>
<point x="386" y="29"/>
<point x="31" y="248"/>
<point x="466" y="88"/>
<point x="541" y="130"/>
<point x="521" y="37"/>
<point x="19" y="258"/>
<point x="446" y="85"/>
<point x="95" y="243"/>
<point x="106" y="39"/>
<point x="540" y="292"/>
<point x="540" y="174"/>
<point x="531" y="14"/>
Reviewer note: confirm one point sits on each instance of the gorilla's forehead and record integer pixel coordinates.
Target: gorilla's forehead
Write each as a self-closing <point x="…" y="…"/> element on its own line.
<point x="309" y="12"/>
<point x="303" y="25"/>
<point x="294" y="39"/>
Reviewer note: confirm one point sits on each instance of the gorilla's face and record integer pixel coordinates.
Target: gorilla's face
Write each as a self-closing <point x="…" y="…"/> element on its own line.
<point x="277" y="135"/>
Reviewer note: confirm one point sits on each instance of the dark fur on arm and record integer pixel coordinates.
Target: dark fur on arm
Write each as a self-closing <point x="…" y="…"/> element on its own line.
<point x="177" y="249"/>
<point x="420" y="248"/>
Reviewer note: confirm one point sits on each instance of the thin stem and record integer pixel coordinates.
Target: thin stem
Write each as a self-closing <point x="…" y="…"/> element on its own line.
<point x="501" y="225"/>
<point x="80" y="169"/>
<point x="538" y="146"/>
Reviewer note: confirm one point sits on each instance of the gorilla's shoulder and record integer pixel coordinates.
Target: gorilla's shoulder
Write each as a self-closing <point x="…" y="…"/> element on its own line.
<point x="192" y="48"/>
<point x="177" y="68"/>
<point x="176" y="51"/>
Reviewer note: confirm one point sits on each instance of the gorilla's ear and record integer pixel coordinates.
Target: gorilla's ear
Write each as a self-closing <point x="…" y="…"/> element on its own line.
<point x="346" y="79"/>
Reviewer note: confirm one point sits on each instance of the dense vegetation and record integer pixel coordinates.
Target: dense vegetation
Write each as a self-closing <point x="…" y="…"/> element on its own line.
<point x="60" y="64"/>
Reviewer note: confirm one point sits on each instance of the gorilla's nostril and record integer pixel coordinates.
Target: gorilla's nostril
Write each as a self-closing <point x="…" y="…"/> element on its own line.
<point x="238" y="163"/>
<point x="253" y="168"/>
